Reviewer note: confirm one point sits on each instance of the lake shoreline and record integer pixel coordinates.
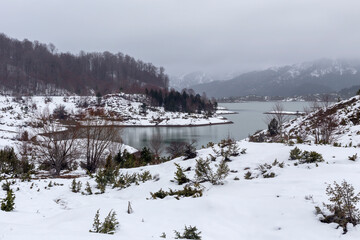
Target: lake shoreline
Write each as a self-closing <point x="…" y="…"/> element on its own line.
<point x="170" y="125"/>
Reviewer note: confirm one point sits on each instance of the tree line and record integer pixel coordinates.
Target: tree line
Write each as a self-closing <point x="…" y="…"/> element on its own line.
<point x="186" y="101"/>
<point x="32" y="68"/>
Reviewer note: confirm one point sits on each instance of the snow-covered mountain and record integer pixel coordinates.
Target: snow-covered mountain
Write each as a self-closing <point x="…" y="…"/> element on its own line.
<point x="321" y="76"/>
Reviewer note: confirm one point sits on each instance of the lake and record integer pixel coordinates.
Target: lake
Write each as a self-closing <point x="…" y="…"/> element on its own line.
<point x="249" y="119"/>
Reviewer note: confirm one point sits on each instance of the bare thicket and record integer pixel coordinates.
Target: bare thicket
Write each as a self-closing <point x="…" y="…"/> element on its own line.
<point x="97" y="142"/>
<point x="176" y="149"/>
<point x="57" y="148"/>
<point x="325" y="126"/>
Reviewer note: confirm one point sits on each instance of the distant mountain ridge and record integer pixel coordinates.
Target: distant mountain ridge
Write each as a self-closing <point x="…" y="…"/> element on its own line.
<point x="321" y="76"/>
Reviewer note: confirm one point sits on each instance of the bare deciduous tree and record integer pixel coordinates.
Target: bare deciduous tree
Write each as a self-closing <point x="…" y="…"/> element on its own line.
<point x="58" y="149"/>
<point x="98" y="139"/>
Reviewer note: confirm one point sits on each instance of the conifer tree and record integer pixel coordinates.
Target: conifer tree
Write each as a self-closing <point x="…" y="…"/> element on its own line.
<point x="180" y="176"/>
<point x="8" y="203"/>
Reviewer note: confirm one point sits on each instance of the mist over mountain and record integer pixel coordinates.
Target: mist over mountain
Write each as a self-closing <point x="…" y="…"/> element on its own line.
<point x="199" y="77"/>
<point x="321" y="76"/>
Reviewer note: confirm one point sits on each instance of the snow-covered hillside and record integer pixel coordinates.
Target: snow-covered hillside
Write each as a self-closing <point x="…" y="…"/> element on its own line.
<point x="341" y="121"/>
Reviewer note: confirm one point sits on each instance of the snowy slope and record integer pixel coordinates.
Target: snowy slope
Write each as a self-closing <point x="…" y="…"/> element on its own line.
<point x="346" y="116"/>
<point x="261" y="208"/>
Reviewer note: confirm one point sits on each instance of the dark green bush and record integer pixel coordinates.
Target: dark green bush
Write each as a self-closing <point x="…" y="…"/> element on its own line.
<point x="306" y="156"/>
<point x="295" y="154"/>
<point x="311" y="157"/>
<point x="187" y="191"/>
<point x="189" y="233"/>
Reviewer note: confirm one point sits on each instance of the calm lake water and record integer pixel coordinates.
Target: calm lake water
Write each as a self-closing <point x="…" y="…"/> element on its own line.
<point x="249" y="119"/>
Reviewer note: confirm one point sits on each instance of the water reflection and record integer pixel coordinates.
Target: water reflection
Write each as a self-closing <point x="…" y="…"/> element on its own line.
<point x="250" y="118"/>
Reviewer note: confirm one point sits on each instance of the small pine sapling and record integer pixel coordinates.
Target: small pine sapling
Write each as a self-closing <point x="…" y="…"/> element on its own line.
<point x="203" y="170"/>
<point x="8" y="203"/>
<point x="343" y="205"/>
<point x="97" y="223"/>
<point x="204" y="173"/>
<point x="108" y="226"/>
<point x="110" y="223"/>
<point x="222" y="172"/>
<point x="180" y="176"/>
<point x="88" y="189"/>
<point x="75" y="186"/>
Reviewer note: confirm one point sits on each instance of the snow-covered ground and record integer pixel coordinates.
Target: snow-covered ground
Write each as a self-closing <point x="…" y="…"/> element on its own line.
<point x="282" y="207"/>
<point x="261" y="208"/>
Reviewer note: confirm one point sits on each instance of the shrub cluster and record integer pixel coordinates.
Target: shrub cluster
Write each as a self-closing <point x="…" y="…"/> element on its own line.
<point x="189" y="233"/>
<point x="113" y="176"/>
<point x="128" y="160"/>
<point x="11" y="165"/>
<point x="187" y="191"/>
<point x="265" y="170"/>
<point x="305" y="156"/>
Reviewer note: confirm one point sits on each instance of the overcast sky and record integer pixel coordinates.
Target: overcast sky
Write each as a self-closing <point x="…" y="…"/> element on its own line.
<point x="190" y="35"/>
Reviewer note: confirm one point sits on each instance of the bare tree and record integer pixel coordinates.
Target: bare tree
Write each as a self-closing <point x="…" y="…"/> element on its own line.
<point x="325" y="100"/>
<point x="98" y="140"/>
<point x="156" y="144"/>
<point x="58" y="149"/>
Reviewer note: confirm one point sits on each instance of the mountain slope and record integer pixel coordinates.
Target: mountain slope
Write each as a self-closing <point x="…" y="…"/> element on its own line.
<point x="321" y="76"/>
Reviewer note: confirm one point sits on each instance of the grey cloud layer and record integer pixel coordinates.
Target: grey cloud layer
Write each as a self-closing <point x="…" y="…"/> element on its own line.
<point x="188" y="35"/>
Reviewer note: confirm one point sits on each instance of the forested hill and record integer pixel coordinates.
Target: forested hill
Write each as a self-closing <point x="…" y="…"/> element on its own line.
<point x="35" y="68"/>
